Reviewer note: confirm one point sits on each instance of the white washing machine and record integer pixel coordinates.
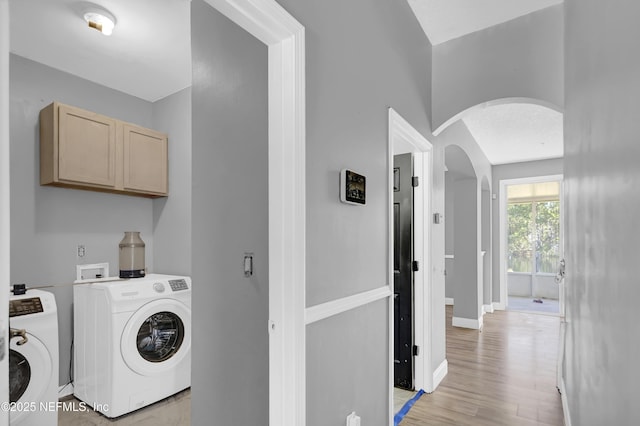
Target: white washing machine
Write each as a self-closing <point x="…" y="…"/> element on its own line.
<point x="132" y="342"/>
<point x="33" y="362"/>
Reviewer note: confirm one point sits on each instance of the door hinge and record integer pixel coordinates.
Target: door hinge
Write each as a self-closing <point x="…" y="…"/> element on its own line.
<point x="415" y="266"/>
<point x="416" y="350"/>
<point x="415" y="181"/>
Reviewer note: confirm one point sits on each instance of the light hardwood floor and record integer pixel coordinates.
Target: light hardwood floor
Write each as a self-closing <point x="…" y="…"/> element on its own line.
<point x="504" y="375"/>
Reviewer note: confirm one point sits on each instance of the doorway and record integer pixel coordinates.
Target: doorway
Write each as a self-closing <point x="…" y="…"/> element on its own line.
<point x="284" y="37"/>
<point x="403" y="269"/>
<point x="531" y="235"/>
<point x="404" y="139"/>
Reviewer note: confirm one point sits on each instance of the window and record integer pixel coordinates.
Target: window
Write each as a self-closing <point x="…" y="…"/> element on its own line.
<point x="533" y="212"/>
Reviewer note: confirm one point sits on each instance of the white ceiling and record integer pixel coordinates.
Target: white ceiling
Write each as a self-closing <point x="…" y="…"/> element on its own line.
<point x="444" y="20"/>
<point x="512" y="133"/>
<point x="148" y="55"/>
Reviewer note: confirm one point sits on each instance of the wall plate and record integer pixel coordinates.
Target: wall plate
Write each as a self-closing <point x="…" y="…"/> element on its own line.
<point x="92" y="271"/>
<point x="352" y="187"/>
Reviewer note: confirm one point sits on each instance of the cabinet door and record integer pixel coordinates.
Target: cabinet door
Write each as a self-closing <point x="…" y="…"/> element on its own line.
<point x="86" y="147"/>
<point x="145" y="160"/>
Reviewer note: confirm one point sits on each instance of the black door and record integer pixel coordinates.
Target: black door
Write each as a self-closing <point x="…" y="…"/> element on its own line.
<point x="403" y="272"/>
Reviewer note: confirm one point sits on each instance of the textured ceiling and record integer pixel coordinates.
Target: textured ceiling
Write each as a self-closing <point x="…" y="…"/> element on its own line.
<point x="512" y="133"/>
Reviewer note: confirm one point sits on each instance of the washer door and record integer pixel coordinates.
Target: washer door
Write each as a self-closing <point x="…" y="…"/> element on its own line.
<point x="157" y="337"/>
<point x="30" y="369"/>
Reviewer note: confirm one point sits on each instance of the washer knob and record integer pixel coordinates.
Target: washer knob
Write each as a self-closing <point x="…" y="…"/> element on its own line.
<point x="158" y="287"/>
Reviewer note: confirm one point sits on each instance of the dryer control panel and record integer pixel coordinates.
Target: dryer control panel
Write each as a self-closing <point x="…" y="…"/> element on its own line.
<point x="177" y="285"/>
<point x="32" y="305"/>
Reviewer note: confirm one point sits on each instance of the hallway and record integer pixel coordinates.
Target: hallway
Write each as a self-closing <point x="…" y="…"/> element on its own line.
<point x="504" y="375"/>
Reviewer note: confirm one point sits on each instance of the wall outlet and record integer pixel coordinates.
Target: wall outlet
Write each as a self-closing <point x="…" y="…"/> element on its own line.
<point x="353" y="420"/>
<point x="81" y="250"/>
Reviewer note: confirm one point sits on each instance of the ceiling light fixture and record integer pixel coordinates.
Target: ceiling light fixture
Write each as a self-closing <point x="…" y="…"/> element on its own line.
<point x="101" y="20"/>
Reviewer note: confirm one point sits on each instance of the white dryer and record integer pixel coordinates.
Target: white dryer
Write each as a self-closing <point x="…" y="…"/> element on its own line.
<point x="33" y="362"/>
<point x="132" y="342"/>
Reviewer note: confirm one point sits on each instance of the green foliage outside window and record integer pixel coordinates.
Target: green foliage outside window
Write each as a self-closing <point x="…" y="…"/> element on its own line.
<point x="520" y="237"/>
<point x="547" y="236"/>
<point x="534" y="236"/>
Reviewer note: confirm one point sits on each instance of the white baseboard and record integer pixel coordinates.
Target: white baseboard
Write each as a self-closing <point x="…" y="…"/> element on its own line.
<point x="448" y="300"/>
<point x="488" y="308"/>
<point x="497" y="306"/>
<point x="467" y="323"/>
<point x="65" y="390"/>
<point x="440" y="373"/>
<point x="565" y="403"/>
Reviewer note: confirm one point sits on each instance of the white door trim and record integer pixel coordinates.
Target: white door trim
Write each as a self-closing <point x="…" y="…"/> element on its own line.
<point x="285" y="37"/>
<point x="504" y="297"/>
<point x="400" y="131"/>
<point x="5" y="226"/>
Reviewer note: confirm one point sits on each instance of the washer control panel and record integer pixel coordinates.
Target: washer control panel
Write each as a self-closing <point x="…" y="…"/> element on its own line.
<point x="18" y="307"/>
<point x="177" y="285"/>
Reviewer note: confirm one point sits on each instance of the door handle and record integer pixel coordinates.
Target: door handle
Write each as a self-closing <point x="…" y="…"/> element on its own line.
<point x="18" y="332"/>
<point x="560" y="274"/>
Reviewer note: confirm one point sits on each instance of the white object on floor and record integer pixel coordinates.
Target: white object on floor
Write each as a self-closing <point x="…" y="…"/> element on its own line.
<point x="353" y="420"/>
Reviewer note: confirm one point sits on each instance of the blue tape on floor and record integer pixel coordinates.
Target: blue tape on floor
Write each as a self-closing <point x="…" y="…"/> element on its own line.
<point x="406" y="407"/>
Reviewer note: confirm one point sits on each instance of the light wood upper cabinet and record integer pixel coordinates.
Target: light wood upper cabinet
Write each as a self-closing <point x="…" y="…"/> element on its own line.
<point x="86" y="147"/>
<point x="145" y="159"/>
<point x="82" y="149"/>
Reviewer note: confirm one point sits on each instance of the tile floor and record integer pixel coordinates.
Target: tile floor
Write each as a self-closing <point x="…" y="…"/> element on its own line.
<point x="400" y="397"/>
<point x="172" y="411"/>
<point x="526" y="304"/>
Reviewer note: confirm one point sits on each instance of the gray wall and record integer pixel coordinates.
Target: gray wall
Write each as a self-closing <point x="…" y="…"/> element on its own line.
<point x="485" y="244"/>
<point x="449" y="233"/>
<point x="601" y="182"/>
<point x="48" y="223"/>
<point x="172" y="215"/>
<point x="362" y="57"/>
<point x="230" y="367"/>
<point x="519" y="58"/>
<point x="514" y="171"/>
<point x="467" y="299"/>
<point x="464" y="159"/>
